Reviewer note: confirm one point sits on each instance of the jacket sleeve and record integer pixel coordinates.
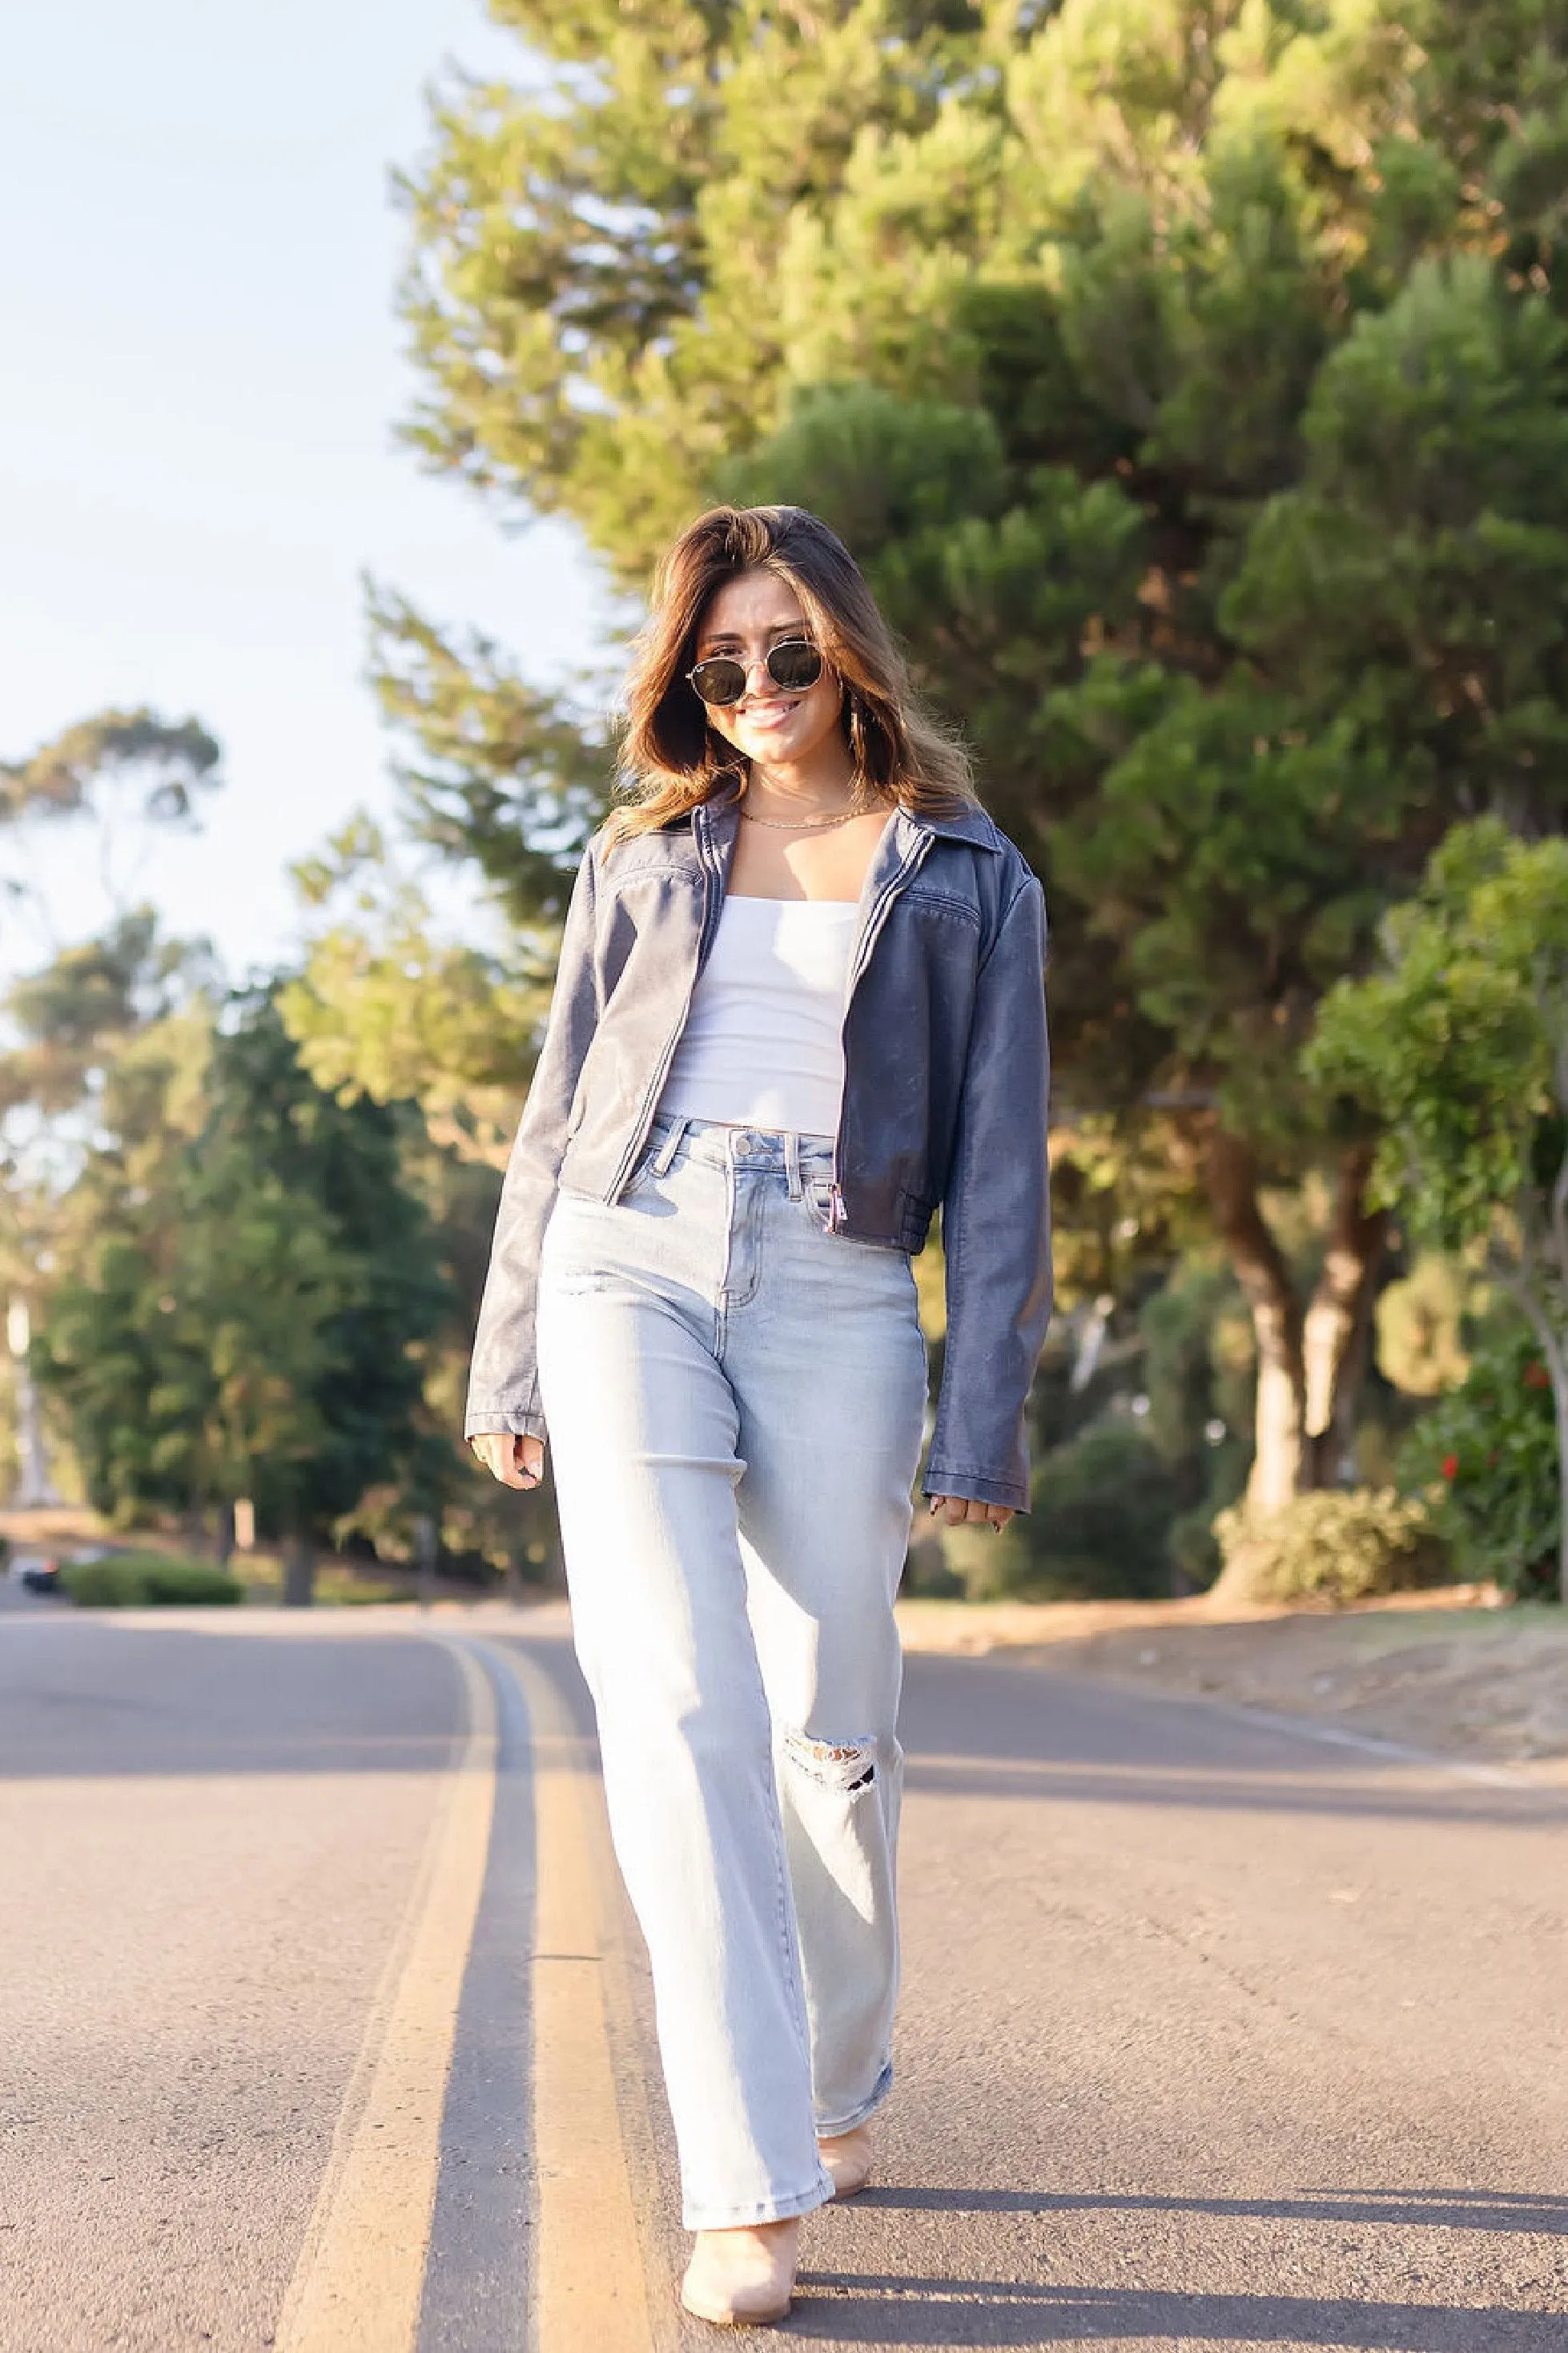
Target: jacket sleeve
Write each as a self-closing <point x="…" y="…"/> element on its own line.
<point x="503" y="1373"/>
<point x="996" y="1225"/>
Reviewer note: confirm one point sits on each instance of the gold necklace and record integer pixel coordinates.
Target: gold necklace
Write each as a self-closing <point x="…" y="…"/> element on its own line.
<point x="801" y="823"/>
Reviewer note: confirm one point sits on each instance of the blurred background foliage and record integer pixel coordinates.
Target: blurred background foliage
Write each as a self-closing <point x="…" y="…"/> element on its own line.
<point x="1191" y="383"/>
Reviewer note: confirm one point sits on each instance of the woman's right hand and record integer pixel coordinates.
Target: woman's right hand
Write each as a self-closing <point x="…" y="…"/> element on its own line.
<point x="515" y="1462"/>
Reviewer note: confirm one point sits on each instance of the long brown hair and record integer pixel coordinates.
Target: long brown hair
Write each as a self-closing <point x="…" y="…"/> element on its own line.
<point x="674" y="758"/>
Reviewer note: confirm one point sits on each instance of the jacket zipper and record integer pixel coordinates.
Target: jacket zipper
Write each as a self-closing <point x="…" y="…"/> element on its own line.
<point x="704" y="943"/>
<point x="837" y="1216"/>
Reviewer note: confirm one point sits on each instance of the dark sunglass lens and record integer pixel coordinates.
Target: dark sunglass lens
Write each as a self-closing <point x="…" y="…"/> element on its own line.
<point x="795" y="664"/>
<point x="720" y="680"/>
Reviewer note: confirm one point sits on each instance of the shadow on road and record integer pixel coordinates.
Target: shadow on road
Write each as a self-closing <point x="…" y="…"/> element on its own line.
<point x="1450" y="2210"/>
<point x="872" y="2308"/>
<point x="842" y="2308"/>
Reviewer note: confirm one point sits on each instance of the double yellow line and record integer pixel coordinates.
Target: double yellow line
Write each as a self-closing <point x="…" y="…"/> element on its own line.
<point x="359" y="2280"/>
<point x="592" y="2289"/>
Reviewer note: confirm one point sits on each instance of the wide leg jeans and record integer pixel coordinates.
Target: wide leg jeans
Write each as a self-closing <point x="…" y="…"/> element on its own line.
<point x="736" y="1398"/>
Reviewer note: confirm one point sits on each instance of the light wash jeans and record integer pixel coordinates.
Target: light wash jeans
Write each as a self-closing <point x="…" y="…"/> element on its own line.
<point x="735" y="1399"/>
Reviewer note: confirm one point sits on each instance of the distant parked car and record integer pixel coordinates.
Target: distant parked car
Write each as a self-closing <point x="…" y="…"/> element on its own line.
<point x="34" y="1572"/>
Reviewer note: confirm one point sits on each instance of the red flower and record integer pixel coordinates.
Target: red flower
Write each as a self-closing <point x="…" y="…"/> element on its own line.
<point x="1536" y="1376"/>
<point x="1450" y="1466"/>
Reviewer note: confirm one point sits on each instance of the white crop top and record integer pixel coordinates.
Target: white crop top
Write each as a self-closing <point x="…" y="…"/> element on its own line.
<point x="764" y="1042"/>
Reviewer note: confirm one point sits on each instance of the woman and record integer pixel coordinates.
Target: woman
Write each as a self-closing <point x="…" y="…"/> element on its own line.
<point x="800" y="1006"/>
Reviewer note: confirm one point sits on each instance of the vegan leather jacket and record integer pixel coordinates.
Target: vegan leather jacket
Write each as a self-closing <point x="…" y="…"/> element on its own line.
<point x="946" y="1078"/>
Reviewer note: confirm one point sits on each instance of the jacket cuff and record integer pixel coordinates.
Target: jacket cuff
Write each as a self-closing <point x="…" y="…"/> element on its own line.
<point x="975" y="1486"/>
<point x="480" y="1420"/>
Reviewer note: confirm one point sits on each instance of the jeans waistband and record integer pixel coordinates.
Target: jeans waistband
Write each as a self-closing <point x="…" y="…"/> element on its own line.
<point x="740" y="1147"/>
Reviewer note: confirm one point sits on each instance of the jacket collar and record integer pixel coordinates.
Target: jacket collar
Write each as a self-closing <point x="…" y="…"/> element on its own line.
<point x="971" y="825"/>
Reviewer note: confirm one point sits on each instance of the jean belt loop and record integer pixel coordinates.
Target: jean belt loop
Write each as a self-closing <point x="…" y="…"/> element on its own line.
<point x="670" y="1146"/>
<point x="792" y="1162"/>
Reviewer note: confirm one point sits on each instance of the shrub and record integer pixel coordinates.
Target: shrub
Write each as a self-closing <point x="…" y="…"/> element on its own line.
<point x="928" y="1572"/>
<point x="178" y="1581"/>
<point x="1485" y="1460"/>
<point x="1332" y="1548"/>
<point x="147" y="1581"/>
<point x="102" y="1584"/>
<point x="1102" y="1509"/>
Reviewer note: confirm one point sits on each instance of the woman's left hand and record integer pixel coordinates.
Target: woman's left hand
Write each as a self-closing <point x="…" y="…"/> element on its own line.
<point x="958" y="1511"/>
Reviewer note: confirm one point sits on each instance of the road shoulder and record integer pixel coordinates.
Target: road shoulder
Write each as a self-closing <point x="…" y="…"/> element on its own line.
<point x="1470" y="1682"/>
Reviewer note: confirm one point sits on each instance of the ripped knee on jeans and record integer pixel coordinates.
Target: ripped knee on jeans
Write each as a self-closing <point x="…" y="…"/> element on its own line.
<point x="846" y="1766"/>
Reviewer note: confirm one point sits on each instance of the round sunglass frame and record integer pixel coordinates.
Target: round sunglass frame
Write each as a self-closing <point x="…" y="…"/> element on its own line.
<point x="725" y="669"/>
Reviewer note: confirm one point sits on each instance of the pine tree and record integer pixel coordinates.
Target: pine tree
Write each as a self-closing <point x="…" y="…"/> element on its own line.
<point x="1190" y="381"/>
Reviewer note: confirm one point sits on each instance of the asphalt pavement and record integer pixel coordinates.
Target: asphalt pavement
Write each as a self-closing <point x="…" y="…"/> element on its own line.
<point x="321" y="2022"/>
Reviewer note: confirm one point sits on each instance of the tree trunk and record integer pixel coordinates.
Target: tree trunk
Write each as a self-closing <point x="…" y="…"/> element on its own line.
<point x="1334" y="1335"/>
<point x="427" y="1548"/>
<point x="1230" y="1176"/>
<point x="299" y="1573"/>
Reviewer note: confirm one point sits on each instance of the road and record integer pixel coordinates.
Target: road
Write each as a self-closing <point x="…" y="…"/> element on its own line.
<point x="322" y="2025"/>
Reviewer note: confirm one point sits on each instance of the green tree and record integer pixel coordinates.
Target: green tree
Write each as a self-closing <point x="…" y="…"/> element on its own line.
<point x="233" y="1280"/>
<point x="1188" y="378"/>
<point x="387" y="1009"/>
<point x="113" y="783"/>
<point x="117" y="780"/>
<point x="390" y="1009"/>
<point x="249" y="1287"/>
<point x="65" y="1028"/>
<point x="68" y="1020"/>
<point x="1461" y="1042"/>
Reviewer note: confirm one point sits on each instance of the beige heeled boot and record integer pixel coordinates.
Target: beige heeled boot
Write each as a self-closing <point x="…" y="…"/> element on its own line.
<point x="848" y="2157"/>
<point x="743" y="2279"/>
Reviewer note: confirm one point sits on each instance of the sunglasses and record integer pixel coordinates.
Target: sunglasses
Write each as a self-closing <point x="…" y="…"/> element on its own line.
<point x="794" y="663"/>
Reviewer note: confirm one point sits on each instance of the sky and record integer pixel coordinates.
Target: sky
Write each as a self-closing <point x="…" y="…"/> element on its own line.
<point x="201" y="377"/>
